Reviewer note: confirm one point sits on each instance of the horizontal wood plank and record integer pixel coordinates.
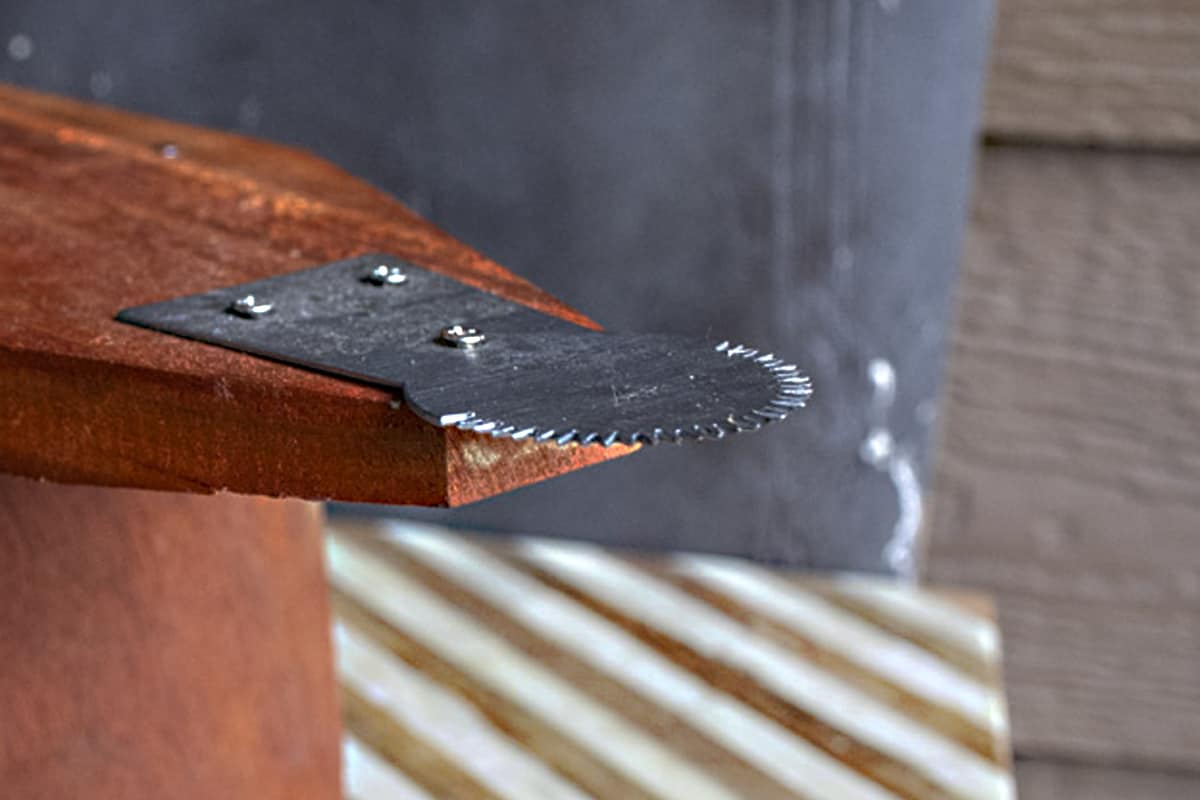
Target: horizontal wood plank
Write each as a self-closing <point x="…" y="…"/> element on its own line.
<point x="97" y="213"/>
<point x="1124" y="72"/>
<point x="1049" y="780"/>
<point x="1067" y="480"/>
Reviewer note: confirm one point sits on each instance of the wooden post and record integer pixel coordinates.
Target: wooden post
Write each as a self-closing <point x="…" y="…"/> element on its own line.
<point x="162" y="645"/>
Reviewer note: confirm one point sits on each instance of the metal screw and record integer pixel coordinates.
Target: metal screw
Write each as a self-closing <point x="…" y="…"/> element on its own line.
<point x="383" y="275"/>
<point x="463" y="337"/>
<point x="249" y="307"/>
<point x="168" y="150"/>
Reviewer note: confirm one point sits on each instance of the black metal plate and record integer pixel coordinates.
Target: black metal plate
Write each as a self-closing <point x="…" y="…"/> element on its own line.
<point x="534" y="376"/>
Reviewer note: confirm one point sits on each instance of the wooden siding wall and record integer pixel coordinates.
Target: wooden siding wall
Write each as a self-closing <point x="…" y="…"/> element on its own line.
<point x="1068" y="475"/>
<point x="1119" y="72"/>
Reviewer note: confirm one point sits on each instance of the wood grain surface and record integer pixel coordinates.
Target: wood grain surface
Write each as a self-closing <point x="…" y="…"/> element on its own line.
<point x="155" y="645"/>
<point x="96" y="218"/>
<point x="1050" y="780"/>
<point x="1122" y="72"/>
<point x="516" y="668"/>
<point x="1067" y="482"/>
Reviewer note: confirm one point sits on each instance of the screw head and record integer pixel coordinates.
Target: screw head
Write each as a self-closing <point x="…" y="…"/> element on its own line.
<point x="463" y="337"/>
<point x="384" y="275"/>
<point x="168" y="150"/>
<point x="249" y="307"/>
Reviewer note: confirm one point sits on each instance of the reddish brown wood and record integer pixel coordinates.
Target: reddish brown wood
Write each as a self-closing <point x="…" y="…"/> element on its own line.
<point x="93" y="218"/>
<point x="155" y="645"/>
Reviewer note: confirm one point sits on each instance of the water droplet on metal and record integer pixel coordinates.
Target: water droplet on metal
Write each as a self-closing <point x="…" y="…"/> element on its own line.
<point x="926" y="412"/>
<point x="877" y="448"/>
<point x="20" y="47"/>
<point x="882" y="375"/>
<point x="100" y="84"/>
<point x="250" y="112"/>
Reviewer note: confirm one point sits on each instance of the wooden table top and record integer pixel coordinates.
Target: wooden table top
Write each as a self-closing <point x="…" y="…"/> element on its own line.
<point x="519" y="668"/>
<point x="101" y="210"/>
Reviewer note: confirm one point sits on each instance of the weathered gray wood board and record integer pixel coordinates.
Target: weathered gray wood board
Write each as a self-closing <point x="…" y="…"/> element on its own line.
<point x="1068" y="480"/>
<point x="1110" y="71"/>
<point x="1069" y="475"/>
<point x="1048" y="780"/>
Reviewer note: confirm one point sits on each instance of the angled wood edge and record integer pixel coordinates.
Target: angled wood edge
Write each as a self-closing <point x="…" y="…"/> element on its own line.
<point x="95" y="217"/>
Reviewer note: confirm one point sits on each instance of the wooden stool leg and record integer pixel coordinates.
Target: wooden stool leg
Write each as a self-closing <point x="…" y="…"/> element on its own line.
<point x="157" y="645"/>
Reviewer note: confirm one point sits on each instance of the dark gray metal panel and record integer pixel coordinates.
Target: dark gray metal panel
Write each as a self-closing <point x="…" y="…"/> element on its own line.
<point x="786" y="171"/>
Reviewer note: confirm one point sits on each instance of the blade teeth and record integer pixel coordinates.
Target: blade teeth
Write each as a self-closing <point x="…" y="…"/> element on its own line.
<point x="593" y="436"/>
<point x="524" y="433"/>
<point x="746" y="423"/>
<point x="723" y="346"/>
<point x="651" y="437"/>
<point x="610" y="439"/>
<point x="545" y="435"/>
<point x="566" y="437"/>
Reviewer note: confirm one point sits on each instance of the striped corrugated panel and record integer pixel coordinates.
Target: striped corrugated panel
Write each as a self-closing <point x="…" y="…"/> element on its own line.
<point x="528" y="668"/>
